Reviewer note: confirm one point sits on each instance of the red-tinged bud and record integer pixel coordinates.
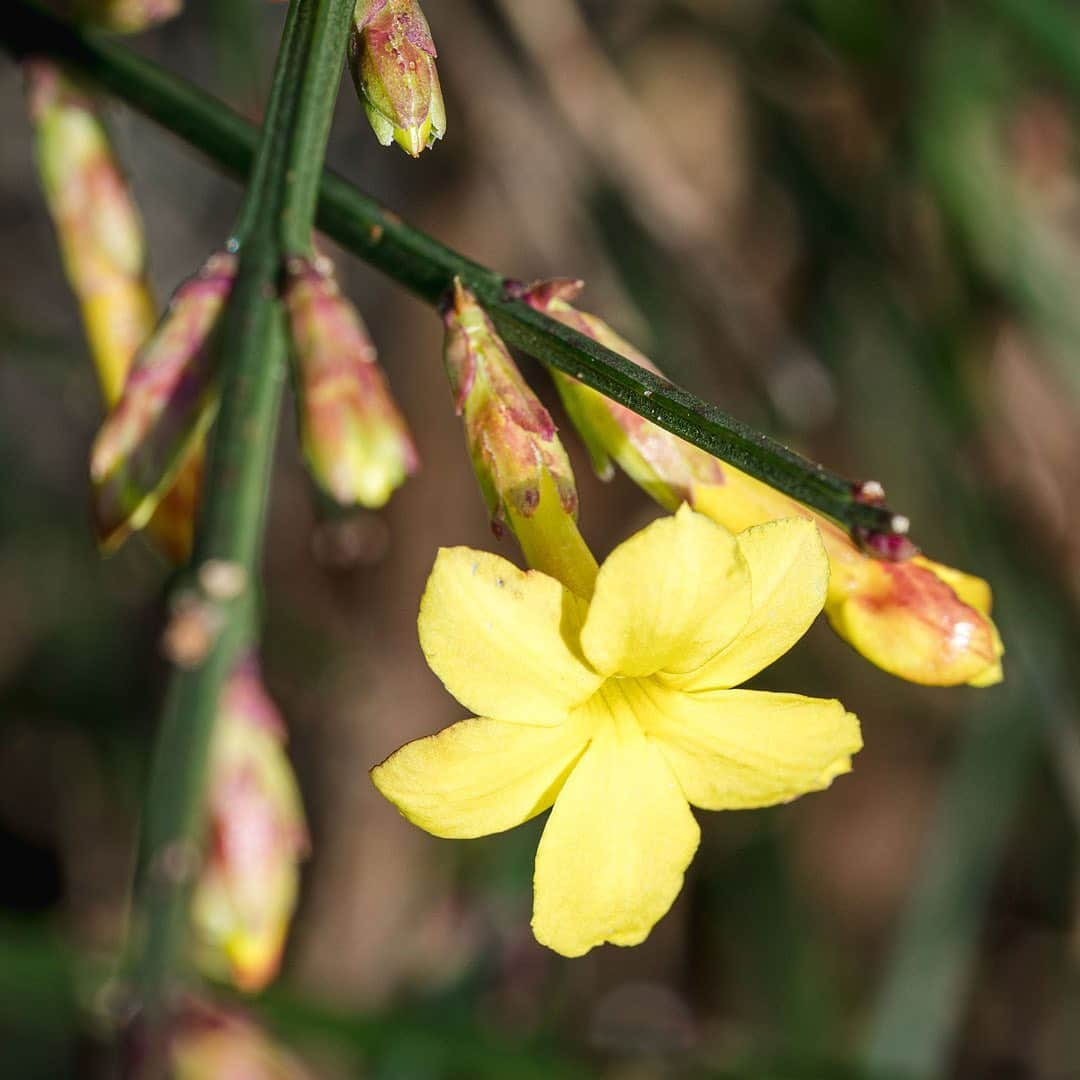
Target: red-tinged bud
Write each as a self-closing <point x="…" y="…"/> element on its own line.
<point x="392" y="60"/>
<point x="517" y="456"/>
<point x="247" y="888"/>
<point x="101" y="240"/>
<point x="512" y="438"/>
<point x="353" y="436"/>
<point x="910" y="616"/>
<point x="127" y="16"/>
<point x="167" y="403"/>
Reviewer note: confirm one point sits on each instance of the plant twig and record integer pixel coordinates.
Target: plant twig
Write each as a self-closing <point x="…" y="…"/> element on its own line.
<point x="251" y="352"/>
<point x="427" y="268"/>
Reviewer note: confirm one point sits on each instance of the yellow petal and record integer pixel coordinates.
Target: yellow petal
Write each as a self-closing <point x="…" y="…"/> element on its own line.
<point x="669" y="598"/>
<point x="738" y="749"/>
<point x="480" y="776"/>
<point x="789" y="575"/>
<point x="501" y="639"/>
<point x="613" y="853"/>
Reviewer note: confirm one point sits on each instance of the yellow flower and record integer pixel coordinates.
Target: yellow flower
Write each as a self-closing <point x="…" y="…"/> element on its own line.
<point x="617" y="710"/>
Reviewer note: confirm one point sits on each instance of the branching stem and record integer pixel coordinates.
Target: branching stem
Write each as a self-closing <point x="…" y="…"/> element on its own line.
<point x="427" y="268"/>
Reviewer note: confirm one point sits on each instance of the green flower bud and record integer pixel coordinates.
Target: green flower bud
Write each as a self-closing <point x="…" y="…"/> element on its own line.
<point x="392" y="60"/>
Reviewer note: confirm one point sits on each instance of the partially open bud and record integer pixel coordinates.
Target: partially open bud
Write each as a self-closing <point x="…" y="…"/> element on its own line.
<point x="247" y="887"/>
<point x="127" y="16"/>
<point x="914" y="618"/>
<point x="517" y="456"/>
<point x="166" y="406"/>
<point x="392" y="60"/>
<point x="353" y="436"/>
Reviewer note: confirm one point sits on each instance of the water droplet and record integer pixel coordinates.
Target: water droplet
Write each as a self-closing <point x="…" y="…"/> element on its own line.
<point x="232" y="245"/>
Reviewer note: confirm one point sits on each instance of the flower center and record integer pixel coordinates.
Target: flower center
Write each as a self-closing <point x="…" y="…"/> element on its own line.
<point x="621" y="707"/>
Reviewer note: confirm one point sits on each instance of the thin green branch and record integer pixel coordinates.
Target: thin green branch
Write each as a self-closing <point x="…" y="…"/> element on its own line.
<point x="427" y="268"/>
<point x="322" y="76"/>
<point x="251" y="351"/>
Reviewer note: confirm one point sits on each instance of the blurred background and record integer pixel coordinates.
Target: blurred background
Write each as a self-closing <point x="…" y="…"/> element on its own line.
<point x="853" y="223"/>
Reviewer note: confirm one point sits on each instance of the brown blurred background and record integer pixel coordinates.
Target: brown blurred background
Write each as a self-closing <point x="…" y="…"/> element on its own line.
<point x="853" y="223"/>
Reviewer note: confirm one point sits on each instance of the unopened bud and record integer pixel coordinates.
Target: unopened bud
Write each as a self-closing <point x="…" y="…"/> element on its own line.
<point x="353" y="436"/>
<point x="512" y="438"/>
<point x="392" y="60"/>
<point x="247" y="887"/>
<point x="166" y="405"/>
<point x="912" y="617"/>
<point x="522" y="467"/>
<point x="127" y="16"/>
<point x="97" y="223"/>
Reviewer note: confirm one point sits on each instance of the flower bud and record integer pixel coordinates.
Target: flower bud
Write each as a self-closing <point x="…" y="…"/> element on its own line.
<point x="914" y="618"/>
<point x="97" y="223"/>
<point x="522" y="467"/>
<point x="127" y="16"/>
<point x="101" y="241"/>
<point x="392" y="60"/>
<point x="166" y="406"/>
<point x="353" y="436"/>
<point x="247" y="887"/>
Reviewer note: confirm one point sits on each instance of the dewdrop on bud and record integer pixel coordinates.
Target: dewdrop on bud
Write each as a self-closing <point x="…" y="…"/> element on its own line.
<point x="354" y="438"/>
<point x="167" y="403"/>
<point x="392" y="60"/>
<point x="247" y="887"/>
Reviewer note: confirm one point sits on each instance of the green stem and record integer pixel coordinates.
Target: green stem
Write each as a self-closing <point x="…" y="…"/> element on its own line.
<point x="428" y="268"/>
<point x="251" y="347"/>
<point x="321" y="76"/>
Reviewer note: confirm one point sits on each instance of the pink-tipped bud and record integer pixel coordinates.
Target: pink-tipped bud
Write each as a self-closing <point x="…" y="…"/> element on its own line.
<point x="166" y="406"/>
<point x="392" y="60"/>
<point x="511" y="437"/>
<point x="127" y="16"/>
<point x="248" y="884"/>
<point x="353" y="436"/>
